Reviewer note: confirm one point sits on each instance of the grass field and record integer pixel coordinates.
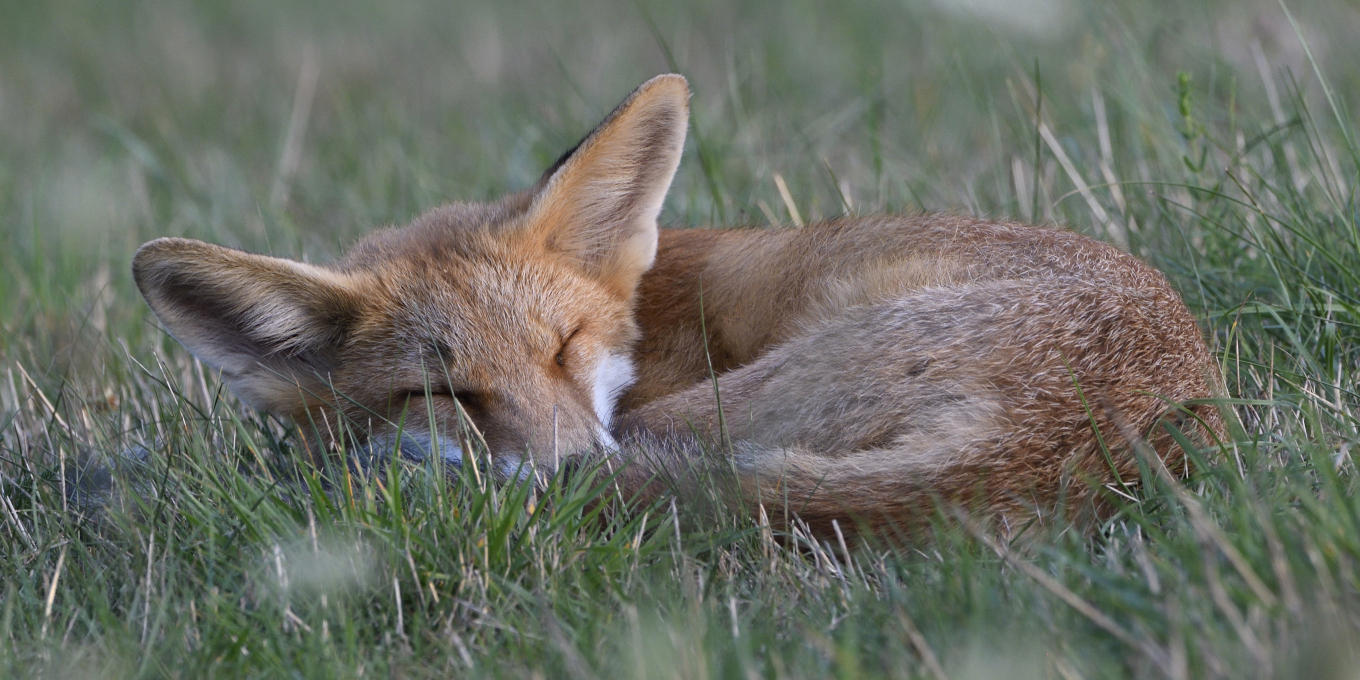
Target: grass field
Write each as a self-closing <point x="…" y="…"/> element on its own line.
<point x="1210" y="138"/>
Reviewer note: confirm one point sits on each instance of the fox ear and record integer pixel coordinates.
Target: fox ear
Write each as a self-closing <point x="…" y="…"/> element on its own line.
<point x="272" y="326"/>
<point x="599" y="203"/>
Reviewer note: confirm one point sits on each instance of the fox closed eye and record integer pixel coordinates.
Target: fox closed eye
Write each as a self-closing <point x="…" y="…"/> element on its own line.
<point x="561" y="358"/>
<point x="469" y="400"/>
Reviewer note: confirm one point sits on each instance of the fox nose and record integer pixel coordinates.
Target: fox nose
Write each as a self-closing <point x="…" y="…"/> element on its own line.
<point x="413" y="446"/>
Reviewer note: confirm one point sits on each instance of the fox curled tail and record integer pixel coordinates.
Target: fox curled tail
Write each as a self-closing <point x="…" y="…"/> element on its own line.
<point x="1011" y="396"/>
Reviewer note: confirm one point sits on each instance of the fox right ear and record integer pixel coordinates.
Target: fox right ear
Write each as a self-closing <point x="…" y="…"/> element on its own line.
<point x="598" y="205"/>
<point x="270" y="325"/>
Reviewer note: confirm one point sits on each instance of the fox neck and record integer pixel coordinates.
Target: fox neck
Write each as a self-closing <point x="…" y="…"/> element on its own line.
<point x="714" y="300"/>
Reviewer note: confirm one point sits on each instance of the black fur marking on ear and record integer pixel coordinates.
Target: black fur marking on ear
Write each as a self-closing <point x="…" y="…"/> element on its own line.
<point x="562" y="160"/>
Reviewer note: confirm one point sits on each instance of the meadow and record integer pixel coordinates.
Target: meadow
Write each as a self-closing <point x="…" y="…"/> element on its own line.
<point x="152" y="526"/>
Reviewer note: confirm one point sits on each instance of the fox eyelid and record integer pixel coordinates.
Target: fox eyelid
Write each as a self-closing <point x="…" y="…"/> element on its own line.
<point x="561" y="357"/>
<point x="469" y="400"/>
<point x="432" y="390"/>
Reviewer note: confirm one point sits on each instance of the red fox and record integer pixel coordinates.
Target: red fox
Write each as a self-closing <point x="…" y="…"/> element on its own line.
<point x="857" y="369"/>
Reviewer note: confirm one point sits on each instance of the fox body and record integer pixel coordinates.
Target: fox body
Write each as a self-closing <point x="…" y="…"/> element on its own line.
<point x="854" y="369"/>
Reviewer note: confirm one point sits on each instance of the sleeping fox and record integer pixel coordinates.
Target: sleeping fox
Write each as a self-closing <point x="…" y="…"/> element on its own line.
<point x="859" y="369"/>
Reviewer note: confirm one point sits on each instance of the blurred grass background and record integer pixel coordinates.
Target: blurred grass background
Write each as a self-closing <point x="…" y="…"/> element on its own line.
<point x="1211" y="138"/>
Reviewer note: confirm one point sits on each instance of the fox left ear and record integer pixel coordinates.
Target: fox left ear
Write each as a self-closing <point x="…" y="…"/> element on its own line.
<point x="271" y="326"/>
<point x="598" y="205"/>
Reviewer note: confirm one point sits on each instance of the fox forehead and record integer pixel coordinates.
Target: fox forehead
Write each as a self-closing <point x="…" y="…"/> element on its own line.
<point x="480" y="300"/>
<point x="459" y="302"/>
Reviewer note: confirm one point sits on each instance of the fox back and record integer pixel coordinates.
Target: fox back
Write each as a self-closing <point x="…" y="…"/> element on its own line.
<point x="856" y="369"/>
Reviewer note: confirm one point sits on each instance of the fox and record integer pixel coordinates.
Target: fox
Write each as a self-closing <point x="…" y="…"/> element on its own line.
<point x="858" y="370"/>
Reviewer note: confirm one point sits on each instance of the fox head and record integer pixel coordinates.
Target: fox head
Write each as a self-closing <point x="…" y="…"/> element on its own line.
<point x="519" y="313"/>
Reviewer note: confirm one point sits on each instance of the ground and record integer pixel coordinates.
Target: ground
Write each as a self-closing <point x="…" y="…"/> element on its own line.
<point x="1211" y="139"/>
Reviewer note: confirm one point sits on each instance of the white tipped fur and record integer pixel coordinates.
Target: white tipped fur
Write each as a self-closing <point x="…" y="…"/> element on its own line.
<point x="613" y="375"/>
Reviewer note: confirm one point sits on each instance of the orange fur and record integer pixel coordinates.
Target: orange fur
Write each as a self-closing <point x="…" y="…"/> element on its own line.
<point x="865" y="366"/>
<point x="950" y="357"/>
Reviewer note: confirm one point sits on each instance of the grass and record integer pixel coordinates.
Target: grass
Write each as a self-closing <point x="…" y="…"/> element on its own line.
<point x="1204" y="138"/>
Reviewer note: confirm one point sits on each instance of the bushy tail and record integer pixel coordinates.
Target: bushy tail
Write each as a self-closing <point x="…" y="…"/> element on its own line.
<point x="897" y="490"/>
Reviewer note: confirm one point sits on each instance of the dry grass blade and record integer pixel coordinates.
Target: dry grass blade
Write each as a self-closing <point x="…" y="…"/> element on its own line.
<point x="1225" y="605"/>
<point x="52" y="590"/>
<point x="1114" y="231"/>
<point x="1150" y="649"/>
<point x="295" y="128"/>
<point x="1199" y="519"/>
<point x="784" y="194"/>
<point x="918" y="642"/>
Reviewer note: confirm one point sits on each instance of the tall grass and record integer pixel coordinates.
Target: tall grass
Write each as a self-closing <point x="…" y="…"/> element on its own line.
<point x="152" y="526"/>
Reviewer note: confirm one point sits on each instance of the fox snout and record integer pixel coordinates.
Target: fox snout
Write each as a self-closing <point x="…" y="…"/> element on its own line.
<point x="518" y="433"/>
